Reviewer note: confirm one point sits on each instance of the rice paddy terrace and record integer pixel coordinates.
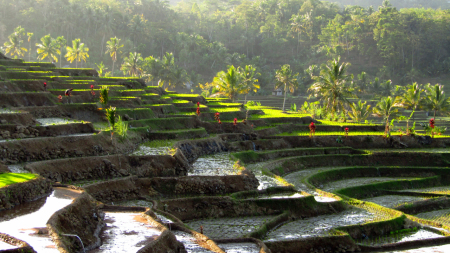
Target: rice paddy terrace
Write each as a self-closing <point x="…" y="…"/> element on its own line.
<point x="182" y="182"/>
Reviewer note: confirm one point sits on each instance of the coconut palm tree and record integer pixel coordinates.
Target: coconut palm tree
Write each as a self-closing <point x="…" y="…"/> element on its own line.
<point x="61" y="42"/>
<point x="14" y="46"/>
<point x="385" y="108"/>
<point x="412" y="98"/>
<point x="331" y="86"/>
<point x="285" y="78"/>
<point x="29" y="35"/>
<point x="133" y="64"/>
<point x="436" y="99"/>
<point x="360" y="111"/>
<point x="113" y="47"/>
<point x="250" y="81"/>
<point x="229" y="83"/>
<point x="77" y="52"/>
<point x="48" y="48"/>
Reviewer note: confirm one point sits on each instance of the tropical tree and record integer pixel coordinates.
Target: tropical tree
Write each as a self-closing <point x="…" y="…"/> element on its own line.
<point x="48" y="48"/>
<point x="229" y="83"/>
<point x="113" y="47"/>
<point x="412" y="98"/>
<point x="101" y="67"/>
<point x="385" y="108"/>
<point x="132" y="65"/>
<point x="331" y="86"/>
<point x="61" y="42"/>
<point x="285" y="78"/>
<point x="250" y="81"/>
<point x="77" y="52"/>
<point x="14" y="46"/>
<point x="436" y="99"/>
<point x="360" y="111"/>
<point x="362" y="78"/>
<point x="29" y="35"/>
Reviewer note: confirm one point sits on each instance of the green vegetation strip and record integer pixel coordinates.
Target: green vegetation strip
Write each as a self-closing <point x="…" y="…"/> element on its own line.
<point x="14" y="178"/>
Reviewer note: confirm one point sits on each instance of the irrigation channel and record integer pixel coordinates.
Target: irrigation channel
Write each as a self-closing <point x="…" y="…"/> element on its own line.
<point x="27" y="221"/>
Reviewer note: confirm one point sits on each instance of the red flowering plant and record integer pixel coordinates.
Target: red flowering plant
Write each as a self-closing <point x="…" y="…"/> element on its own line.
<point x="235" y="122"/>
<point x="45" y="86"/>
<point x="60" y="98"/>
<point x="198" y="111"/>
<point x="346" y="132"/>
<point x="198" y="104"/>
<point x="312" y="129"/>
<point x="92" y="90"/>
<point x="217" y="116"/>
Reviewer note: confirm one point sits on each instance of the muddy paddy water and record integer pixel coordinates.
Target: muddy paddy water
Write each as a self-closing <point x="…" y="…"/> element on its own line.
<point x="126" y="232"/>
<point x="319" y="225"/>
<point x="27" y="222"/>
<point x="190" y="243"/>
<point x="226" y="228"/>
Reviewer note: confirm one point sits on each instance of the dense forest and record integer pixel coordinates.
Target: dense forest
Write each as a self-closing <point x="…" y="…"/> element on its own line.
<point x="200" y="38"/>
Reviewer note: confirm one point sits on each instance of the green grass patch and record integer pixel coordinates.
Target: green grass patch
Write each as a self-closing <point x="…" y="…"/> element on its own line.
<point x="222" y="109"/>
<point x="14" y="178"/>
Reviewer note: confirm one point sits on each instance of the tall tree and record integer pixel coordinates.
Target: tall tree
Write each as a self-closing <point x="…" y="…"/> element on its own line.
<point x="385" y="108"/>
<point x="14" y="46"/>
<point x="229" y="83"/>
<point x="113" y="47"/>
<point x="250" y="80"/>
<point x="61" y="43"/>
<point x="48" y="48"/>
<point x="78" y="52"/>
<point x="29" y="35"/>
<point x="133" y="64"/>
<point x="412" y="98"/>
<point x="286" y="78"/>
<point x="436" y="99"/>
<point x="331" y="86"/>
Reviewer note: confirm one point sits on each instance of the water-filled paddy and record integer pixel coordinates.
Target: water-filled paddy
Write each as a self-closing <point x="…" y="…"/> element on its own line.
<point x="246" y="247"/>
<point x="224" y="228"/>
<point x="219" y="164"/>
<point x="441" y="216"/>
<point x="189" y="242"/>
<point x="392" y="201"/>
<point x="56" y="121"/>
<point x="336" y="185"/>
<point x="319" y="225"/>
<point x="435" y="190"/>
<point x="420" y="234"/>
<point x="126" y="232"/>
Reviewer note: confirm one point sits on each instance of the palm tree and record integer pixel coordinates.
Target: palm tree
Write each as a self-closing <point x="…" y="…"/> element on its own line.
<point x="436" y="99"/>
<point x="284" y="77"/>
<point x="412" y="98"/>
<point x="101" y="67"/>
<point x="61" y="42"/>
<point x="113" y="47"/>
<point x="29" y="35"/>
<point x="14" y="46"/>
<point x="48" y="48"/>
<point x="360" y="111"/>
<point x="331" y="86"/>
<point x="77" y="52"/>
<point x="298" y="26"/>
<point x="362" y="81"/>
<point x="249" y="82"/>
<point x="133" y="64"/>
<point x="385" y="108"/>
<point x="229" y="83"/>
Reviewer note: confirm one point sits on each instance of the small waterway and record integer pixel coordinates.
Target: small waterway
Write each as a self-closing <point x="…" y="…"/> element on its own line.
<point x="126" y="232"/>
<point x="27" y="220"/>
<point x="17" y="168"/>
<point x="319" y="225"/>
<point x="189" y="242"/>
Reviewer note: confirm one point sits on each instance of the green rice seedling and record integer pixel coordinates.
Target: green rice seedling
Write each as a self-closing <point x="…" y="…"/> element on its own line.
<point x="121" y="128"/>
<point x="111" y="117"/>
<point x="104" y="95"/>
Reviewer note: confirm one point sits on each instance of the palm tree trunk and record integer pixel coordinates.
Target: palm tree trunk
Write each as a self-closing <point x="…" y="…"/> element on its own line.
<point x="60" y="63"/>
<point x="435" y="115"/>
<point x="112" y="72"/>
<point x="76" y="64"/>
<point x="245" y="99"/>
<point x="285" y="91"/>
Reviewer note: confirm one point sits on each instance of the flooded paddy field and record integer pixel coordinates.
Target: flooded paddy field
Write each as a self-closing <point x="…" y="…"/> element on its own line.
<point x="336" y="185"/>
<point x="226" y="228"/>
<point x="126" y="232"/>
<point x="392" y="201"/>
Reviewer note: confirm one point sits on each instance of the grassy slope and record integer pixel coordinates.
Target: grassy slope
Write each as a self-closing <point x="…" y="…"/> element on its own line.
<point x="13" y="178"/>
